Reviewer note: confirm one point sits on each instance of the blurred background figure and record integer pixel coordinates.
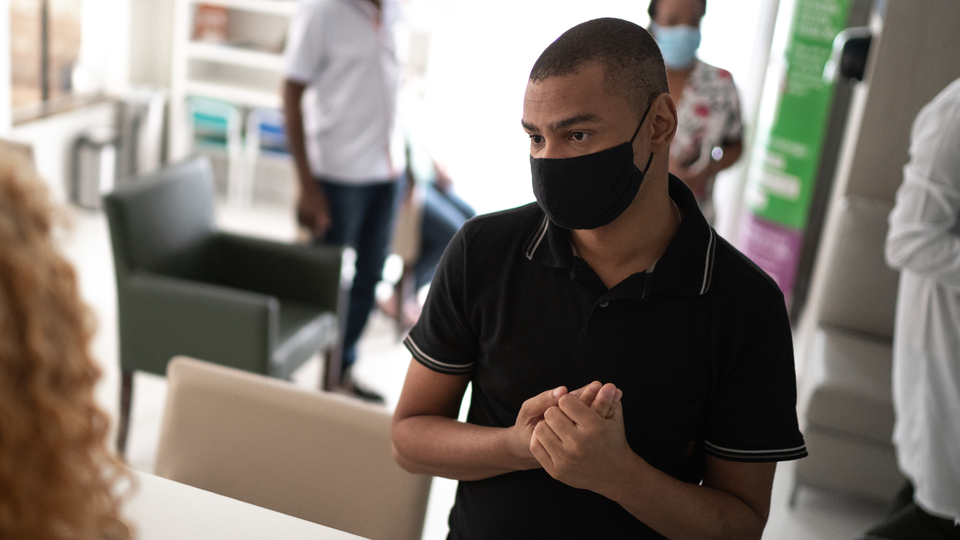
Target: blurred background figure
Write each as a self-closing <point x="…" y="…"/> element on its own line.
<point x="57" y="478"/>
<point x="709" y="132"/>
<point x="340" y="97"/>
<point x="924" y="244"/>
<point x="443" y="213"/>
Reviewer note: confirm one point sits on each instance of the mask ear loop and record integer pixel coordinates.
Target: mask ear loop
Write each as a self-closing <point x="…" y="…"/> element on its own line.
<point x="640" y="125"/>
<point x="647" y="166"/>
<point x="650" y="159"/>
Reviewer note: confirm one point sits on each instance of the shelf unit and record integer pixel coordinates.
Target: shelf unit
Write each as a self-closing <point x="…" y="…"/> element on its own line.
<point x="246" y="70"/>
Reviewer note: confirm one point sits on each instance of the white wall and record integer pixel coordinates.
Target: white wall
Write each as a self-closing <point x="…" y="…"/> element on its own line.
<point x="481" y="56"/>
<point x="151" y="42"/>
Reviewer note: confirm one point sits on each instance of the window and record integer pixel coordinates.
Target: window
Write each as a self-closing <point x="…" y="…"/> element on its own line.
<point x="44" y="49"/>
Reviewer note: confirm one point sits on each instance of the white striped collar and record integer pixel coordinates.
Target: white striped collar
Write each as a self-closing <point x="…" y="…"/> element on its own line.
<point x="686" y="268"/>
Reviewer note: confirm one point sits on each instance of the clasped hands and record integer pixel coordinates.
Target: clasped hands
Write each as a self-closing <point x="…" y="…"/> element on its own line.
<point x="577" y="437"/>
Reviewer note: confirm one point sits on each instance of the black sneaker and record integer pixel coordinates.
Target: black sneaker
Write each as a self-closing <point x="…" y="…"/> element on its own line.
<point x="351" y="387"/>
<point x="912" y="523"/>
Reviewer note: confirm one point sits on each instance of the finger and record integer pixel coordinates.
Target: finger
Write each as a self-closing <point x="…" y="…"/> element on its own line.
<point x="616" y="402"/>
<point x="605" y="397"/>
<point x="588" y="393"/>
<point x="560" y="422"/>
<point x="535" y="406"/>
<point x="576" y="412"/>
<point x="540" y="453"/>
<point x="547" y="440"/>
<point x="616" y="411"/>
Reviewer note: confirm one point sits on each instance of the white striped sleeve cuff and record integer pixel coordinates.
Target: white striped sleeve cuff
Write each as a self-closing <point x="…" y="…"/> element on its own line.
<point x="433" y="363"/>
<point x="766" y="455"/>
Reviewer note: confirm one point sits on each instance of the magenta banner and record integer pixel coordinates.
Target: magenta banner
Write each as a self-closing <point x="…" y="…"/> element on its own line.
<point x="775" y="248"/>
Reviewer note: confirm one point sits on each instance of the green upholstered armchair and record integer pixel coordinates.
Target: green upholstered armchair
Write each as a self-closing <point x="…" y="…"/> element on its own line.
<point x="185" y="288"/>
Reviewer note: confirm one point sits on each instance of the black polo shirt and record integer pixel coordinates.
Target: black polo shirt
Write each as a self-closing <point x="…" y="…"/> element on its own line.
<point x="701" y="347"/>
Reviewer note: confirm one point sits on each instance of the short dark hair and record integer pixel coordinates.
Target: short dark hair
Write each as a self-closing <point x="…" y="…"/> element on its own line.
<point x="652" y="8"/>
<point x="630" y="57"/>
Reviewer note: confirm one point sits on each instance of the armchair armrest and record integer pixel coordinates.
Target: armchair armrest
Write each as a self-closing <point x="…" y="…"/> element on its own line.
<point x="307" y="273"/>
<point x="161" y="317"/>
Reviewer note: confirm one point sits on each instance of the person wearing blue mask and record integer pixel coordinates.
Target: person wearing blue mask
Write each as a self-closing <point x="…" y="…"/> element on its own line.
<point x="709" y="131"/>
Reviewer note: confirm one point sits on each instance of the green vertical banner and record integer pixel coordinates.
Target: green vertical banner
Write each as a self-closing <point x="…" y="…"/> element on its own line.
<point x="786" y="152"/>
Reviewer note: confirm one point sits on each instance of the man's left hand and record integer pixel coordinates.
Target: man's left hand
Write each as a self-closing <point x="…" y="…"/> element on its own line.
<point x="580" y="447"/>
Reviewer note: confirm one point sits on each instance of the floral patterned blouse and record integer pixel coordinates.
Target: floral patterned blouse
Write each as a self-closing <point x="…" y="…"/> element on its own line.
<point x="709" y="116"/>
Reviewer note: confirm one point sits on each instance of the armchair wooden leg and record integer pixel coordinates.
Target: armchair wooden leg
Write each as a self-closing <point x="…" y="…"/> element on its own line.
<point x="333" y="356"/>
<point x="331" y="369"/>
<point x="126" y="397"/>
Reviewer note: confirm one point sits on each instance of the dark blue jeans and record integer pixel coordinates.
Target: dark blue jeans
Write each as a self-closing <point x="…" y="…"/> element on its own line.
<point x="443" y="214"/>
<point x="363" y="217"/>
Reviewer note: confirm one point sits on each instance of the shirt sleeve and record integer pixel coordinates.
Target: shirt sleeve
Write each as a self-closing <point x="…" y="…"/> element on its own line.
<point x="924" y="236"/>
<point x="303" y="54"/>
<point x="752" y="416"/>
<point x="442" y="339"/>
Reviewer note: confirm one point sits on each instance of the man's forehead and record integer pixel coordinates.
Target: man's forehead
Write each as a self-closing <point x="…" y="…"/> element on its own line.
<point x="564" y="98"/>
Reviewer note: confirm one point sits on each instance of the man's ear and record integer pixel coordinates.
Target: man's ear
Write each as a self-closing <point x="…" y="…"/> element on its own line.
<point x="664" y="112"/>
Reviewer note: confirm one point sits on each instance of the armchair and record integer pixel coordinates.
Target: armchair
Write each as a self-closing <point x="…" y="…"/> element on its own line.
<point x="183" y="287"/>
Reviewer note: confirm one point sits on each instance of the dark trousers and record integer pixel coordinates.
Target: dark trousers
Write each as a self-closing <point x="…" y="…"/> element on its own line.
<point x="363" y="218"/>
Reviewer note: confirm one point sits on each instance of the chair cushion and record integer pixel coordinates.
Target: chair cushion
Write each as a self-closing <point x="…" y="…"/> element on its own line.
<point x="305" y="330"/>
<point x="860" y="290"/>
<point x="849" y="382"/>
<point x="849" y="465"/>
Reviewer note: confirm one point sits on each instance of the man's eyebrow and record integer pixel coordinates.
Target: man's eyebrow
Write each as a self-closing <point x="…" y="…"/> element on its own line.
<point x="573" y="120"/>
<point x="561" y="124"/>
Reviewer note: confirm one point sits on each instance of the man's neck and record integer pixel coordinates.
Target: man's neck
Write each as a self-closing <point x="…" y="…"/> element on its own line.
<point x="632" y="242"/>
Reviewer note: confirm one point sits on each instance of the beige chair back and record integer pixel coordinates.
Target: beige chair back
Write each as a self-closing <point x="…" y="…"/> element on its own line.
<point x="318" y="456"/>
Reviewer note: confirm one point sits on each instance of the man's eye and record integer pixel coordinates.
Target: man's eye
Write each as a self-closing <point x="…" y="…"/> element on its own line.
<point x="577" y="135"/>
<point x="536" y="139"/>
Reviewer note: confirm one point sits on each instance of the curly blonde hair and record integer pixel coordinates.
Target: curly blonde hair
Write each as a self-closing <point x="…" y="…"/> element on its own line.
<point x="57" y="478"/>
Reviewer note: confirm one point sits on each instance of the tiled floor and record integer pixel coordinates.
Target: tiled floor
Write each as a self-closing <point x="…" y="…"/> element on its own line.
<point x="383" y="362"/>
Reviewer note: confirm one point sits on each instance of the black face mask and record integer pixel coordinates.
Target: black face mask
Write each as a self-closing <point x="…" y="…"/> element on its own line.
<point x="589" y="191"/>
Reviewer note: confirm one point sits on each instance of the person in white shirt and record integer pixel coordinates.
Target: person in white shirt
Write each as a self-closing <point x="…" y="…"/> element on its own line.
<point x="924" y="244"/>
<point x="340" y="103"/>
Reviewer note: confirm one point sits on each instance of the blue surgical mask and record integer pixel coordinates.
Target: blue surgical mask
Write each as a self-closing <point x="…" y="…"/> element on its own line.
<point x="678" y="44"/>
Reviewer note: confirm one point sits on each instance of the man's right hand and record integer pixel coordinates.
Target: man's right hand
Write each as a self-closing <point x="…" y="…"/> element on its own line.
<point x="313" y="211"/>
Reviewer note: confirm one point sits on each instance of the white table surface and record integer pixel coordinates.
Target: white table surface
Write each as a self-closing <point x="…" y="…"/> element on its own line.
<point x="162" y="509"/>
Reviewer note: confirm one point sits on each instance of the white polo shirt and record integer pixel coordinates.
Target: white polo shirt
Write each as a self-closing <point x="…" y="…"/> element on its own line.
<point x="345" y="52"/>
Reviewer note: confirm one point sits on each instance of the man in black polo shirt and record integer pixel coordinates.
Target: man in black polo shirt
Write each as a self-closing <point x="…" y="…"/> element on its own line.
<point x="613" y="277"/>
